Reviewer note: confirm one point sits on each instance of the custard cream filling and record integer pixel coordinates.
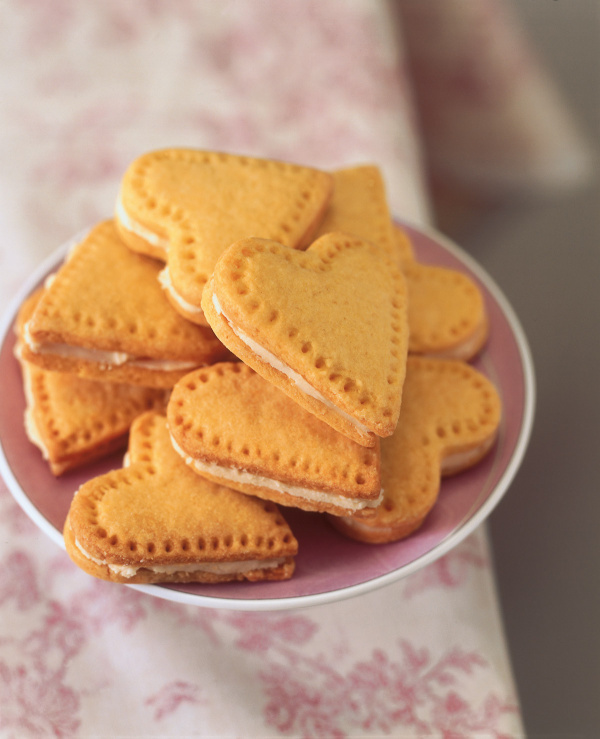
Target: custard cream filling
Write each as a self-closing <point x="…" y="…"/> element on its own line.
<point x="266" y="356"/>
<point x="213" y="568"/>
<point x="164" y="277"/>
<point x="159" y="242"/>
<point x="138" y="229"/>
<point x="247" y="478"/>
<point x="109" y="359"/>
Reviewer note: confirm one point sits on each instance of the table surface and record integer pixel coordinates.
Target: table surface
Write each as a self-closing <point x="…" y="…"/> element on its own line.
<point x="89" y="91"/>
<point x="544" y="533"/>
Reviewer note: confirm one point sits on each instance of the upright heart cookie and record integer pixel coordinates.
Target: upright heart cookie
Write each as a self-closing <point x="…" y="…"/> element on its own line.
<point x="449" y="420"/>
<point x="327" y="326"/>
<point x="446" y="312"/>
<point x="235" y="428"/>
<point x="157" y="521"/>
<point x="72" y="420"/>
<point x="186" y="206"/>
<point x="104" y="316"/>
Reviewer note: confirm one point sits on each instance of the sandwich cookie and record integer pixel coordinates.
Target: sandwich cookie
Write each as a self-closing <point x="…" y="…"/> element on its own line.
<point x="446" y="311"/>
<point x="447" y="316"/>
<point x="73" y="420"/>
<point x="186" y="206"/>
<point x="157" y="521"/>
<point x="235" y="428"/>
<point x="327" y="326"/>
<point x="449" y="421"/>
<point x="103" y="316"/>
<point x="359" y="207"/>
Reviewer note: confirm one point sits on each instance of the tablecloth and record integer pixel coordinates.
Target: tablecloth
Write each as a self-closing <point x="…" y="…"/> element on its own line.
<point x="85" y="88"/>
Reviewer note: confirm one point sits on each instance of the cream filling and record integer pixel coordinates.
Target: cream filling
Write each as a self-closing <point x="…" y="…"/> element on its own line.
<point x="213" y="568"/>
<point x="107" y="359"/>
<point x="138" y="229"/>
<point x="164" y="278"/>
<point x="159" y="242"/>
<point x="247" y="478"/>
<point x="302" y="385"/>
<point x="166" y="365"/>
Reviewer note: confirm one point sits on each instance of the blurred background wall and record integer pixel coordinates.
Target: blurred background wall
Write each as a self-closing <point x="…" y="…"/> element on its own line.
<point x="546" y="256"/>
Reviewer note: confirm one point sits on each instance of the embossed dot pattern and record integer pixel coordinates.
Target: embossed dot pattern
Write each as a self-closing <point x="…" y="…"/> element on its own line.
<point x="446" y="312"/>
<point x="204" y="201"/>
<point x="79" y="419"/>
<point x="160" y="512"/>
<point x="450" y="416"/>
<point x="272" y="436"/>
<point x="107" y="298"/>
<point x="341" y="320"/>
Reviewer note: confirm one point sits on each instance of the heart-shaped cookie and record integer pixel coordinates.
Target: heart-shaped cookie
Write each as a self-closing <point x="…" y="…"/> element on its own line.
<point x="186" y="206"/>
<point x="235" y="428"/>
<point x="447" y="316"/>
<point x="103" y="316"/>
<point x="157" y="521"/>
<point x="449" y="420"/>
<point x="327" y="326"/>
<point x="358" y="206"/>
<point x="446" y="312"/>
<point x="73" y="420"/>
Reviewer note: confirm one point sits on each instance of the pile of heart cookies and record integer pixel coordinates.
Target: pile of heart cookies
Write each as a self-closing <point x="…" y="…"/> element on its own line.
<point x="262" y="336"/>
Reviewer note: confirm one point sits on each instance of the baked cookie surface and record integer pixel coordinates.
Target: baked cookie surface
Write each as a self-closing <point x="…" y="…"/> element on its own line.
<point x="359" y="207"/>
<point x="327" y="326"/>
<point x="157" y="521"/>
<point x="234" y="427"/>
<point x="73" y="420"/>
<point x="104" y="316"/>
<point x="447" y="315"/>
<point x="187" y="206"/>
<point x="449" y="421"/>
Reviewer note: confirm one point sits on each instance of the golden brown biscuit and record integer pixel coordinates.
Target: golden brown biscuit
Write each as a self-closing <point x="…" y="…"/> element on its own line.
<point x="447" y="316"/>
<point x="186" y="206"/>
<point x="403" y="245"/>
<point x="446" y="312"/>
<point x="72" y="420"/>
<point x="449" y="420"/>
<point x="104" y="316"/>
<point x="235" y="428"/>
<point x="359" y="207"/>
<point x="327" y="326"/>
<point x="157" y="521"/>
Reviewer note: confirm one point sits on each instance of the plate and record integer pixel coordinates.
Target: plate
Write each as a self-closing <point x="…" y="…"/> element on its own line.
<point x="329" y="567"/>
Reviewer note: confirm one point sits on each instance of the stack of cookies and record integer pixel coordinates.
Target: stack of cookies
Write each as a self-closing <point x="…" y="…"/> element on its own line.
<point x="263" y="335"/>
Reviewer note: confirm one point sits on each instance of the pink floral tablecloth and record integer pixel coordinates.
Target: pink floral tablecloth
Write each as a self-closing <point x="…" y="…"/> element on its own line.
<point x="85" y="88"/>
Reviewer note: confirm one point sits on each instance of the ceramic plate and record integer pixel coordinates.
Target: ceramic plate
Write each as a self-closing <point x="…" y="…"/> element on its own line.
<point x="328" y="567"/>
